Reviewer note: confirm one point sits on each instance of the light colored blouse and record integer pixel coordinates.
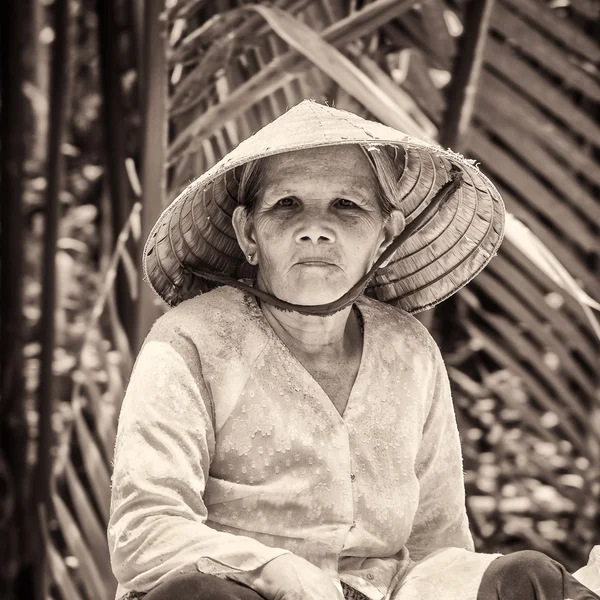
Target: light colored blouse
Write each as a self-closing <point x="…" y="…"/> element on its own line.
<point x="229" y="454"/>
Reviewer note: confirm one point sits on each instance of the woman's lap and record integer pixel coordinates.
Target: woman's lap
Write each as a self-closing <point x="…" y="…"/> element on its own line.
<point x="199" y="586"/>
<point x="455" y="573"/>
<point x="446" y="574"/>
<point x="449" y="574"/>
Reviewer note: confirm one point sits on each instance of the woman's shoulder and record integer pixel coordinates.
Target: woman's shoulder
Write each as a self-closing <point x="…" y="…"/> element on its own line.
<point x="216" y="334"/>
<point x="400" y="327"/>
<point x="220" y="311"/>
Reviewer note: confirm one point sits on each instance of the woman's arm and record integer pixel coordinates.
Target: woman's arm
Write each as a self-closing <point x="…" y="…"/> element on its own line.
<point x="165" y="441"/>
<point x="441" y="517"/>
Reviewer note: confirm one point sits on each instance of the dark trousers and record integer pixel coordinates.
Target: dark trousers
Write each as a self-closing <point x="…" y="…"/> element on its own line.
<point x="198" y="586"/>
<point x="525" y="575"/>
<point x="530" y="575"/>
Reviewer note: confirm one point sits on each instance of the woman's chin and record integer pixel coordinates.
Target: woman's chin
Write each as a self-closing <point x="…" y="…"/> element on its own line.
<point x="313" y="299"/>
<point x="314" y="293"/>
<point x="311" y="289"/>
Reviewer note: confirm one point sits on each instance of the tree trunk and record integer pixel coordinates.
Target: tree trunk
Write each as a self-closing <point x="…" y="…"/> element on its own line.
<point x="17" y="565"/>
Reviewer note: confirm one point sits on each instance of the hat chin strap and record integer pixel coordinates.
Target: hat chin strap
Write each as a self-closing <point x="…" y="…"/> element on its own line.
<point x="330" y="308"/>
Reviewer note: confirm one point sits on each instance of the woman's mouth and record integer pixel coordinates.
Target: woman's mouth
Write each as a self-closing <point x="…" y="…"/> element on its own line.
<point x="316" y="263"/>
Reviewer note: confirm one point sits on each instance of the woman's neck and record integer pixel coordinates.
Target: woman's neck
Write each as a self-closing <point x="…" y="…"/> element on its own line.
<point x="312" y="336"/>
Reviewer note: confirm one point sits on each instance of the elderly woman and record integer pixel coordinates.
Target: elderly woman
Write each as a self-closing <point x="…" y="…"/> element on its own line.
<point x="290" y="435"/>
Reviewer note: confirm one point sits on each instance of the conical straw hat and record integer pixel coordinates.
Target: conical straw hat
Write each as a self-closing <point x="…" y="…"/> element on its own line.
<point x="195" y="230"/>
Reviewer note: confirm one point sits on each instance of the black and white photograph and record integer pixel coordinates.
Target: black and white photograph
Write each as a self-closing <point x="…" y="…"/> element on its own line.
<point x="300" y="300"/>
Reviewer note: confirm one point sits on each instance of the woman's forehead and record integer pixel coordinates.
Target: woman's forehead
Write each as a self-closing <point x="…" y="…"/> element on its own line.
<point x="346" y="165"/>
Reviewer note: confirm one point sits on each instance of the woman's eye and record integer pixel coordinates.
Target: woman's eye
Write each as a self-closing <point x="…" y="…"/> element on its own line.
<point x="345" y="203"/>
<point x="287" y="202"/>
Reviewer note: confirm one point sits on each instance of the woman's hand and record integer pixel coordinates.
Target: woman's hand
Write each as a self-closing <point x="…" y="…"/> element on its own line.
<point x="290" y="577"/>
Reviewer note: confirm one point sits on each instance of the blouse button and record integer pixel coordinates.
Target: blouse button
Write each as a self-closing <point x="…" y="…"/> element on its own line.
<point x="370" y="576"/>
<point x="352" y="477"/>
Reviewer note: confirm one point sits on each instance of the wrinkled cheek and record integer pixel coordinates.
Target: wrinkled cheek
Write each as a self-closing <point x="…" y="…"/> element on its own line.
<point x="370" y="242"/>
<point x="268" y="231"/>
<point x="272" y="252"/>
<point x="271" y="242"/>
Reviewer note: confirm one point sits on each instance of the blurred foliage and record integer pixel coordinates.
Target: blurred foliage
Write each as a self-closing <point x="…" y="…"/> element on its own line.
<point x="521" y="355"/>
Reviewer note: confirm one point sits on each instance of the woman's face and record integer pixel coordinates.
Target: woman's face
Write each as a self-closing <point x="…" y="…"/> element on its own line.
<point x="317" y="226"/>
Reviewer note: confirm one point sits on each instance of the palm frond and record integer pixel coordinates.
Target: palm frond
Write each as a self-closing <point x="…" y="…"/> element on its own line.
<point x="516" y="180"/>
<point x="336" y="66"/>
<point x="93" y="530"/>
<point x="91" y="579"/>
<point x="505" y="61"/>
<point x="534" y="123"/>
<point x="95" y="467"/>
<point x="537" y="46"/>
<point x="60" y="572"/>
<point x="83" y="515"/>
<point x="278" y="73"/>
<point x="559" y="29"/>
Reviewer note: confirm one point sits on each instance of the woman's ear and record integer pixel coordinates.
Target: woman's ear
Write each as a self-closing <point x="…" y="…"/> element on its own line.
<point x="244" y="231"/>
<point x="393" y="227"/>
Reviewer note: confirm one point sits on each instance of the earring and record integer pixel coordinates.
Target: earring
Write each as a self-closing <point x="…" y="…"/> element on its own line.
<point x="250" y="258"/>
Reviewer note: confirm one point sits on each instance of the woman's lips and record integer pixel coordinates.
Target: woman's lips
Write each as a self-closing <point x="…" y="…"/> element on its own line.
<point x="326" y="260"/>
<point x="316" y="263"/>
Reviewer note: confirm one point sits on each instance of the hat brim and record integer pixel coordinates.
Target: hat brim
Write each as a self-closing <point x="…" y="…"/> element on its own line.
<point x="195" y="230"/>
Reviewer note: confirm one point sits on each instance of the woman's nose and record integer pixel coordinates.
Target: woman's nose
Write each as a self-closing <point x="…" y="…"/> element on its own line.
<point x="315" y="230"/>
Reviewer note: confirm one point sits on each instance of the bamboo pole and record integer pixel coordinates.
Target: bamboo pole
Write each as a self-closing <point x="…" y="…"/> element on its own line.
<point x="59" y="99"/>
<point x="466" y="73"/>
<point x="16" y="567"/>
<point x="137" y="10"/>
<point x="114" y="127"/>
<point x="40" y="78"/>
<point x="153" y="72"/>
